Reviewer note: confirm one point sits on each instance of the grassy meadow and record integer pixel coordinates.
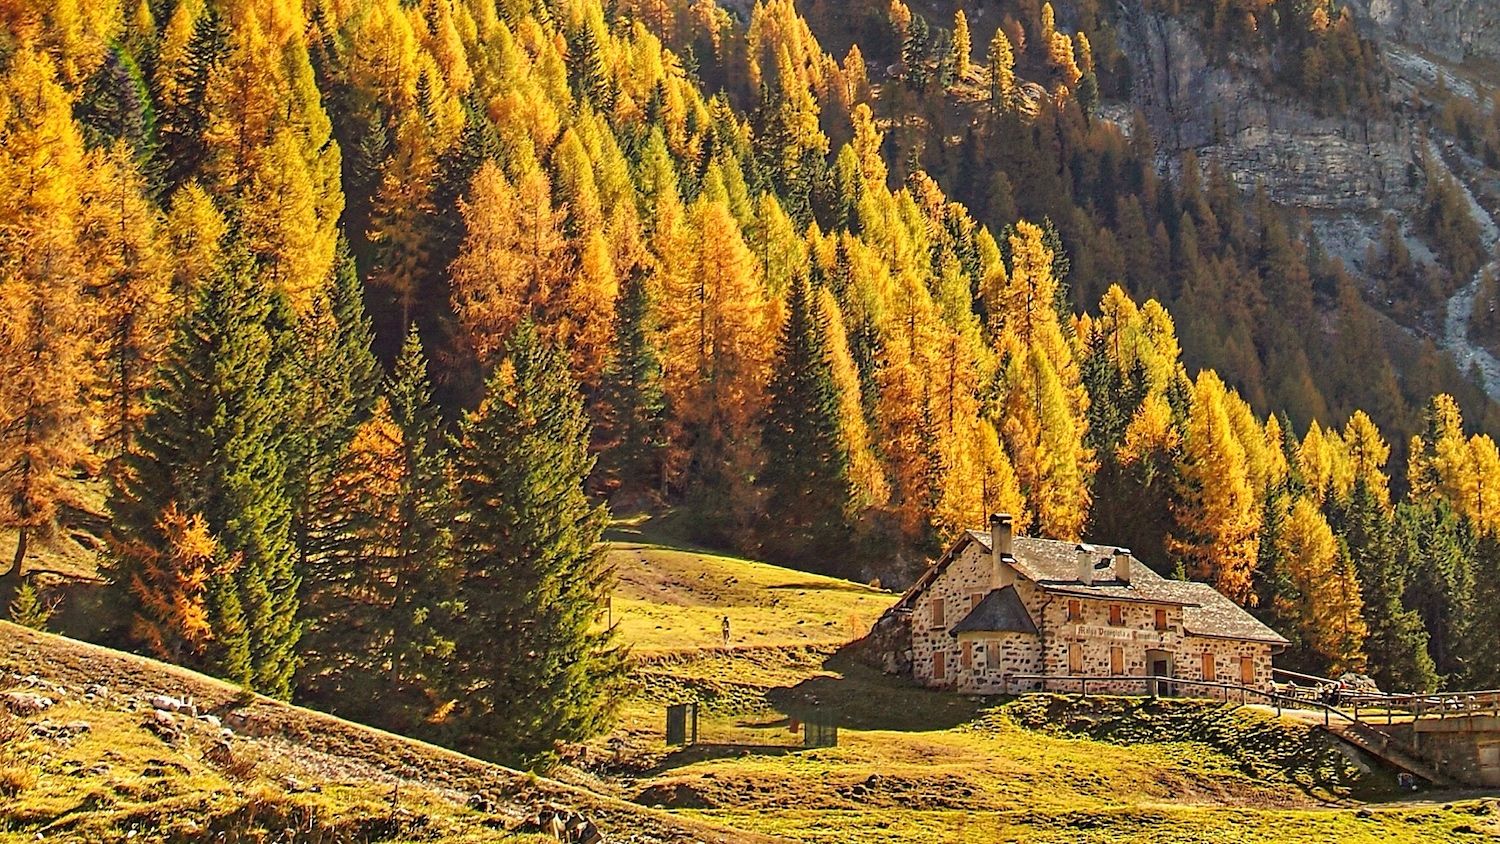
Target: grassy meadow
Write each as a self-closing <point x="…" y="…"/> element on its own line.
<point x="915" y="765"/>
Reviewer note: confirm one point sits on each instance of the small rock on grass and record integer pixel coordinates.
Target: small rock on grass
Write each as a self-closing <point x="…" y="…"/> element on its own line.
<point x="26" y="703"/>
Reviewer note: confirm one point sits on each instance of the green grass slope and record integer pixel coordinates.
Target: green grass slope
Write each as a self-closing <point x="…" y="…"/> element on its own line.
<point x="911" y="765"/>
<point x="672" y="598"/>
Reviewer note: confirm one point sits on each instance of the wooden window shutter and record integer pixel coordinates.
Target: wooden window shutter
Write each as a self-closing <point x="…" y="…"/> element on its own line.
<point x="1116" y="660"/>
<point x="939" y="665"/>
<point x="937" y="612"/>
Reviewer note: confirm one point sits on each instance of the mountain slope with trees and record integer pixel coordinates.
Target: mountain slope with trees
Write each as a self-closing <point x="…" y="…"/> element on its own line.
<point x="659" y="253"/>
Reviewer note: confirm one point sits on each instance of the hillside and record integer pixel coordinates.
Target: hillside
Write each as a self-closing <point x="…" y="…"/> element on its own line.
<point x="673" y="598"/>
<point x="338" y="339"/>
<point x="915" y="765"/>
<point x="96" y="767"/>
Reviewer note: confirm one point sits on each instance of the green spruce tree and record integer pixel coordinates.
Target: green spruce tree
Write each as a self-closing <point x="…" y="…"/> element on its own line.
<point x="28" y="609"/>
<point x="213" y="445"/>
<point x="587" y="71"/>
<point x="807" y="461"/>
<point x="183" y="124"/>
<point x="379" y="600"/>
<point x="1481" y="650"/>
<point x="336" y="378"/>
<point x="632" y="402"/>
<point x="533" y="666"/>
<point x="1434" y="545"/>
<point x="1397" y="642"/>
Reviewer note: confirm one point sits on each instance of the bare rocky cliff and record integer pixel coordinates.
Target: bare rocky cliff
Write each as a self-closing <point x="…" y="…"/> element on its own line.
<point x="1453" y="29"/>
<point x="1226" y="113"/>
<point x="1348" y="170"/>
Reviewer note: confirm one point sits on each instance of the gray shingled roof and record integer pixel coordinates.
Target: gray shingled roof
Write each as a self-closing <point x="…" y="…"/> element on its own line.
<point x="1053" y="566"/>
<point x="1216" y="615"/>
<point x="1001" y="611"/>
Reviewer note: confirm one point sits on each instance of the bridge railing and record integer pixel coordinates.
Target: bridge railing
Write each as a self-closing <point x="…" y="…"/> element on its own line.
<point x="1389" y="706"/>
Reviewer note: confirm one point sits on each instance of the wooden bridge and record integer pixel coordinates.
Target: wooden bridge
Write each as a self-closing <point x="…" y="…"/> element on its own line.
<point x="1446" y="738"/>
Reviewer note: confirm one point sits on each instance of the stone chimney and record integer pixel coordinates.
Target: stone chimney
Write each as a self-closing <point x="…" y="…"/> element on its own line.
<point x="1001" y="535"/>
<point x="1122" y="565"/>
<point x="1002" y="546"/>
<point x="1085" y="565"/>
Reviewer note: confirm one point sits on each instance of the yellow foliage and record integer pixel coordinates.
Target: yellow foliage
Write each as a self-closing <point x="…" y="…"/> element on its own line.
<point x="122" y="233"/>
<point x="1367" y="453"/>
<point x="46" y="366"/>
<point x="512" y="264"/>
<point x="1217" y="511"/>
<point x="1151" y="431"/>
<point x="196" y="231"/>
<point x="1327" y="602"/>
<point x="1042" y="408"/>
<point x="865" y="472"/>
<point x="962" y="44"/>
<point x="1060" y="56"/>
<point x="1463" y="472"/>
<point x="171" y="576"/>
<point x="719" y="340"/>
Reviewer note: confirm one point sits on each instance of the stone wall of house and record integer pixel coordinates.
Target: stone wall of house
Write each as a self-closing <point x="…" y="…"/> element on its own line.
<point x="1227" y="654"/>
<point x="965" y="582"/>
<point x="1094" y="636"/>
<point x="997" y="656"/>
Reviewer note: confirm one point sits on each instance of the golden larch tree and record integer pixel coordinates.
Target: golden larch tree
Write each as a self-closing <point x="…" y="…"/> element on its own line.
<point x="170" y="579"/>
<point x="1326" y="603"/>
<point x="513" y="261"/>
<point x="1217" y="513"/>
<point x="46" y="323"/>
<point x="123" y="234"/>
<point x="718" y="346"/>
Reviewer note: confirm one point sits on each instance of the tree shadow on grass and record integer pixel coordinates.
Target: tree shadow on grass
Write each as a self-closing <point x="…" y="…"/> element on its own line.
<point x="710" y="751"/>
<point x="862" y="698"/>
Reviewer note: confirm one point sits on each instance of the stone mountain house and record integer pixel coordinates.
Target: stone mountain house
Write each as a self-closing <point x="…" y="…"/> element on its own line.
<point x="997" y="605"/>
